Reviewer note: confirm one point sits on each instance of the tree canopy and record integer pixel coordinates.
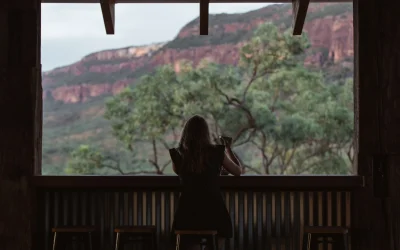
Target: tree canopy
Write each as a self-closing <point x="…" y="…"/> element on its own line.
<point x="284" y="118"/>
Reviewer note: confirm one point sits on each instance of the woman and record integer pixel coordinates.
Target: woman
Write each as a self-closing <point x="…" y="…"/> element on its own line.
<point x="198" y="164"/>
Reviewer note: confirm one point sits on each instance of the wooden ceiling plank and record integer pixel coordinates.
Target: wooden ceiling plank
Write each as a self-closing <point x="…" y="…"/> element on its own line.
<point x="204" y="13"/>
<point x="300" y="8"/>
<point x="108" y="10"/>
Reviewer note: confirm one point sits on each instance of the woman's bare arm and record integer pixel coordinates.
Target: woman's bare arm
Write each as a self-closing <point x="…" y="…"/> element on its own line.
<point x="174" y="168"/>
<point x="231" y="166"/>
<point x="233" y="156"/>
<point x="173" y="154"/>
<point x="231" y="163"/>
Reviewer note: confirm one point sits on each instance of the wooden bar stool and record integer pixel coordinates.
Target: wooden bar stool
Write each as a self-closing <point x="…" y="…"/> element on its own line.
<point x="210" y="235"/>
<point x="63" y="236"/>
<point x="146" y="235"/>
<point x="319" y="234"/>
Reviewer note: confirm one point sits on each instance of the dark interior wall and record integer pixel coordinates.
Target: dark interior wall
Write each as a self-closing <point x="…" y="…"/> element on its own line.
<point x="377" y="89"/>
<point x="20" y="102"/>
<point x="377" y="221"/>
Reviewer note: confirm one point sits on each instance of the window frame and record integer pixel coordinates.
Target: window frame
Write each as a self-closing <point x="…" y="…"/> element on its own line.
<point x="257" y="181"/>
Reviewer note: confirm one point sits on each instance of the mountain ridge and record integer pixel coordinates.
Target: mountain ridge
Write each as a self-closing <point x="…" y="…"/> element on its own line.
<point x="222" y="46"/>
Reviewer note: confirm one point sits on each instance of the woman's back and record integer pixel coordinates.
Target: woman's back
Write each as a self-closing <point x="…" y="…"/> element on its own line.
<point x="202" y="181"/>
<point x="201" y="205"/>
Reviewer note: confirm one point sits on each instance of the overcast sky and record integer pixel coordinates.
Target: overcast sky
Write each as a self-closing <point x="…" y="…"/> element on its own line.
<point x="71" y="31"/>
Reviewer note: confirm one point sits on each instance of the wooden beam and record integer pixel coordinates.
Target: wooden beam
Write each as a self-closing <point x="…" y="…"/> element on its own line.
<point x="204" y="5"/>
<point x="108" y="10"/>
<point x="193" y="1"/>
<point x="299" y="15"/>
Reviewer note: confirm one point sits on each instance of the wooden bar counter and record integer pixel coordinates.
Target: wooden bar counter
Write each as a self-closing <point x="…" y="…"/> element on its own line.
<point x="268" y="212"/>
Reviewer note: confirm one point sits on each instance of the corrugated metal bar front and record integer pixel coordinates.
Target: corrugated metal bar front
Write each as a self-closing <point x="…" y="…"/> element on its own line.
<point x="262" y="220"/>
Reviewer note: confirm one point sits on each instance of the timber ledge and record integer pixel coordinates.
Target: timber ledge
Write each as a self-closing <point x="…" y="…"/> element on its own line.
<point x="287" y="182"/>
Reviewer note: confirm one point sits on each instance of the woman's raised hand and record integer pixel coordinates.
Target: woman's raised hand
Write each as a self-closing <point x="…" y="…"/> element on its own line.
<point x="227" y="141"/>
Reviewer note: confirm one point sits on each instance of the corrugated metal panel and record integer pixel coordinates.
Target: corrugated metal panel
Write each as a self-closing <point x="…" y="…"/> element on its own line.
<point x="262" y="220"/>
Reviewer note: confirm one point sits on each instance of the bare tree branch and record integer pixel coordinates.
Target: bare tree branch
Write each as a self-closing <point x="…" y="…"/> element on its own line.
<point x="251" y="135"/>
<point x="252" y="169"/>
<point x="154" y="162"/>
<point x="142" y="172"/>
<point x="350" y="152"/>
<point x="165" y="165"/>
<point x="252" y="78"/>
<point x="165" y="144"/>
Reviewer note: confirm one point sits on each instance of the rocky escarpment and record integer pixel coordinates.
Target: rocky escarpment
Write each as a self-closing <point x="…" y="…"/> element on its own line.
<point x="82" y="80"/>
<point x="329" y="27"/>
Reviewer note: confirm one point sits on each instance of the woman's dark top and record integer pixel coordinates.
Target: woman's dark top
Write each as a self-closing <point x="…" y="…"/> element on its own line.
<point x="201" y="206"/>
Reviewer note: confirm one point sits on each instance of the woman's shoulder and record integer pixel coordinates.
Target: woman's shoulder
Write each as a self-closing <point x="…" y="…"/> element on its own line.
<point x="173" y="149"/>
<point x="217" y="147"/>
<point x="174" y="153"/>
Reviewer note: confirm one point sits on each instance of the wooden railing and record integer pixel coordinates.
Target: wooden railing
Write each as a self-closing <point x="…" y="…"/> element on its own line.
<point x="267" y="212"/>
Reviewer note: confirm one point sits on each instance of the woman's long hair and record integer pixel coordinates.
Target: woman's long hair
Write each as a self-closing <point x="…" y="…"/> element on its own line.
<point x="194" y="144"/>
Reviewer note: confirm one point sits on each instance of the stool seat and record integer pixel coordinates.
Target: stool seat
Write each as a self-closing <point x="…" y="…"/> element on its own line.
<point x="145" y="234"/>
<point x="325" y="230"/>
<point x="210" y="235"/>
<point x="312" y="234"/>
<point x="64" y="232"/>
<point x="73" y="229"/>
<point x="196" y="232"/>
<point x="135" y="229"/>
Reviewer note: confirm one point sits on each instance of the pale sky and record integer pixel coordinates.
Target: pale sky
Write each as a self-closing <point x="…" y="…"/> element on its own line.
<point x="71" y="31"/>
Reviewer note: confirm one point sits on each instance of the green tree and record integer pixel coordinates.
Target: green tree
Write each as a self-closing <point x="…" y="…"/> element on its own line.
<point x="84" y="160"/>
<point x="142" y="117"/>
<point x="88" y="160"/>
<point x="272" y="104"/>
<point x="284" y="118"/>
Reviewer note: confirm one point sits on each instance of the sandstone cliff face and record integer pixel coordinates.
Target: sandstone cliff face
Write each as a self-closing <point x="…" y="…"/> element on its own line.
<point x="111" y="59"/>
<point x="224" y="54"/>
<point x="332" y="34"/>
<point x="335" y="34"/>
<point x="82" y="93"/>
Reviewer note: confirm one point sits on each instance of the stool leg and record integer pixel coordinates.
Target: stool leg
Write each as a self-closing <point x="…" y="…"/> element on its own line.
<point x="306" y="241"/>
<point x="178" y="241"/>
<point x="90" y="241"/>
<point x="117" y="242"/>
<point x="54" y="240"/>
<point x="346" y="241"/>
<point x="214" y="242"/>
<point x="154" y="241"/>
<point x="83" y="240"/>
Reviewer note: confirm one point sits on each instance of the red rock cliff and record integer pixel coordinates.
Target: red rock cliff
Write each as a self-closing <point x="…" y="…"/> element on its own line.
<point x="333" y="33"/>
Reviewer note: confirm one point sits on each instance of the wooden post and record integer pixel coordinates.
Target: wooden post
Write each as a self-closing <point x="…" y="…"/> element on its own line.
<point x="300" y="8"/>
<point x="108" y="11"/>
<point x="20" y="123"/>
<point x="376" y="218"/>
<point x="204" y="13"/>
